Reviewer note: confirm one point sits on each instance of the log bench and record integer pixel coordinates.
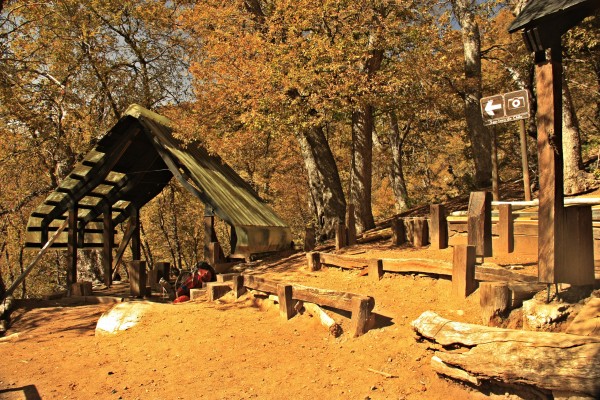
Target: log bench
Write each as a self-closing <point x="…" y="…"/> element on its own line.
<point x="359" y="306"/>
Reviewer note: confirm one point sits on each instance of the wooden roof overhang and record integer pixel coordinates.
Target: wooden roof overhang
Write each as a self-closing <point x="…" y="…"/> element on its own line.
<point x="132" y="164"/>
<point x="543" y="22"/>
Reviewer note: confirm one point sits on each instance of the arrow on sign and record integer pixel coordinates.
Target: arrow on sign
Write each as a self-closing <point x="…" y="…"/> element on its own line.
<point x="490" y="107"/>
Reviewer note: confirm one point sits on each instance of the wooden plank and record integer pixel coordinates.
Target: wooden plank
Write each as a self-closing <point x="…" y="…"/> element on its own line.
<point x="425" y="266"/>
<point x="360" y="316"/>
<point x="286" y="303"/>
<point x="549" y="142"/>
<point x="313" y="260"/>
<point x="551" y="361"/>
<point x="487" y="273"/>
<point x="398" y="232"/>
<point x="506" y="242"/>
<point x="375" y="270"/>
<point x="329" y="298"/>
<point x="463" y="271"/>
<point x="480" y="223"/>
<point x="578" y="267"/>
<point x="350" y="224"/>
<point x="341" y="261"/>
<point x="262" y="284"/>
<point x="438" y="228"/>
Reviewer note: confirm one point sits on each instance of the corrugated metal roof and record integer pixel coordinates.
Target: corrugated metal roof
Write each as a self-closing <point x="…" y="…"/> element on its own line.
<point x="132" y="163"/>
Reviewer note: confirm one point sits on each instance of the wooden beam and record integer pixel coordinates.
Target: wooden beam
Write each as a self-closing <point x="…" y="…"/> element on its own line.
<point x="550" y="159"/>
<point x="340" y="235"/>
<point x="330" y="298"/>
<point x="494" y="299"/>
<point x="216" y="290"/>
<point x="122" y="247"/>
<point x="375" y="270"/>
<point x="578" y="248"/>
<point x="463" y="271"/>
<point x="343" y="261"/>
<point x="438" y="228"/>
<point x="136" y="244"/>
<point x="420" y="230"/>
<point x="137" y="278"/>
<point x="210" y="235"/>
<point x="310" y="240"/>
<point x="238" y="286"/>
<point x="361" y="314"/>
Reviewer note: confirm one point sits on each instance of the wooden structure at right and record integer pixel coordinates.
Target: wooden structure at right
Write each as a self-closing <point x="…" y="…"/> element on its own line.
<point x="543" y="23"/>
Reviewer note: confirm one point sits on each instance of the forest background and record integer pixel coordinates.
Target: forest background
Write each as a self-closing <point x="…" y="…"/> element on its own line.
<point x="317" y="104"/>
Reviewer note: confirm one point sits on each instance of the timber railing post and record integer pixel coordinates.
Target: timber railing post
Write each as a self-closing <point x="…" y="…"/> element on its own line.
<point x="463" y="271"/>
<point x="398" y="231"/>
<point x="506" y="239"/>
<point x="438" y="228"/>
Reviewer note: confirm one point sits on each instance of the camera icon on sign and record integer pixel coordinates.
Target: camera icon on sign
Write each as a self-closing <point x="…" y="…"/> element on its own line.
<point x="516" y="102"/>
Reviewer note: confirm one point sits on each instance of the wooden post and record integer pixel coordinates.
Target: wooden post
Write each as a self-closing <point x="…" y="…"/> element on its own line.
<point x="136" y="246"/>
<point x="153" y="278"/>
<point x="215" y="252"/>
<point x="578" y="247"/>
<point x="375" y="270"/>
<point x="72" y="247"/>
<point x="361" y="314"/>
<point x="309" y="239"/>
<point x="506" y="239"/>
<point x="463" y="271"/>
<point x="480" y="223"/>
<point x="550" y="159"/>
<point x="238" y="286"/>
<point x="524" y="162"/>
<point x="216" y="290"/>
<point x="420" y="232"/>
<point x="495" y="176"/>
<point x="494" y="298"/>
<point x="210" y="235"/>
<point x="314" y="261"/>
<point x="398" y="232"/>
<point x="340" y="235"/>
<point x="286" y="303"/>
<point x="351" y="224"/>
<point x="439" y="227"/>
<point x="107" y="244"/>
<point x="137" y="278"/>
<point x="163" y="269"/>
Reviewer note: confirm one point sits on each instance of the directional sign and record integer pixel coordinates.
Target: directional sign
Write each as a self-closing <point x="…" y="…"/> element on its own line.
<point x="505" y="107"/>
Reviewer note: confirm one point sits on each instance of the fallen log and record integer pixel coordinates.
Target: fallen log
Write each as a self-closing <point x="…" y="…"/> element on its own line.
<point x="550" y="361"/>
<point x="334" y="328"/>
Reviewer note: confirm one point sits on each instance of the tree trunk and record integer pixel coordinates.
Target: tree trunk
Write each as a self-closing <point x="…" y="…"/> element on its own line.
<point x="396" y="169"/>
<point x="362" y="157"/>
<point x="574" y="173"/>
<point x="323" y="180"/>
<point x="481" y="143"/>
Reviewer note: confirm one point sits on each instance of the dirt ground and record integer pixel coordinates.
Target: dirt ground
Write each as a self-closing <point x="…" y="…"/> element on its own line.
<point x="238" y="350"/>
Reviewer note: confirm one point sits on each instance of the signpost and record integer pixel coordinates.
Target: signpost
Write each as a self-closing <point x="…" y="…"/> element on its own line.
<point x="507" y="107"/>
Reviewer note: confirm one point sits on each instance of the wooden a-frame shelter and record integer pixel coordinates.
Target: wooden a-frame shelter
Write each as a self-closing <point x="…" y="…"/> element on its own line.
<point x="127" y="168"/>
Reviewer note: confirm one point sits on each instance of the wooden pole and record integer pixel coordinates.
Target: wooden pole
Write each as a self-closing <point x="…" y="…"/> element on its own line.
<point x="375" y="270"/>
<point x="107" y="241"/>
<point x="314" y="261"/>
<point x="480" y="223"/>
<point x="72" y="247"/>
<point x="340" y="235"/>
<point x="309" y="239"/>
<point x="548" y="73"/>
<point x="495" y="177"/>
<point x="494" y="298"/>
<point x="122" y="247"/>
<point x="524" y="162"/>
<point x="136" y="246"/>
